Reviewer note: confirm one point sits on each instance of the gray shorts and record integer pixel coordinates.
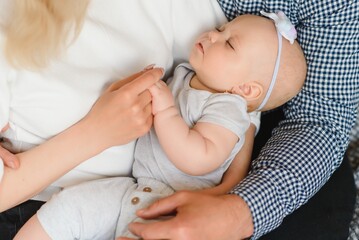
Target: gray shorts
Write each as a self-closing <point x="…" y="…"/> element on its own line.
<point x="99" y="209"/>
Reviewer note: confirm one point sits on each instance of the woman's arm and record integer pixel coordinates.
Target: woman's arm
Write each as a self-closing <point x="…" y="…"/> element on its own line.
<point x="239" y="167"/>
<point x="118" y="117"/>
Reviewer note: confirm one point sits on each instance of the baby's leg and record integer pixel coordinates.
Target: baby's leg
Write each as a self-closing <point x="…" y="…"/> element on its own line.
<point x="86" y="211"/>
<point x="32" y="230"/>
<point x="148" y="191"/>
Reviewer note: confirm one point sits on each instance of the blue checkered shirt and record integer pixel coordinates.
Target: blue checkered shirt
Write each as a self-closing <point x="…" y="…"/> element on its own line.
<point x="309" y="144"/>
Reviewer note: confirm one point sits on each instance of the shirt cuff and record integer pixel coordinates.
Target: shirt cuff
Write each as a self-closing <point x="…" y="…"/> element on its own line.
<point x="257" y="191"/>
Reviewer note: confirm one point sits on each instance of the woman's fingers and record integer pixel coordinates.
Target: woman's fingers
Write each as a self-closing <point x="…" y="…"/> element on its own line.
<point x="10" y="160"/>
<point x="7" y="126"/>
<point x="120" y="83"/>
<point x="144" y="81"/>
<point x="144" y="98"/>
<point x="123" y="114"/>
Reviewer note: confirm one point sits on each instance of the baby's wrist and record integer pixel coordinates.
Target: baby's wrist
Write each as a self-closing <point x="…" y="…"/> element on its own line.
<point x="168" y="112"/>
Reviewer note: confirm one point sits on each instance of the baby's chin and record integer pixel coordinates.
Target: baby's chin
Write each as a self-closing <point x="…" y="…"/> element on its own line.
<point x="192" y="62"/>
<point x="191" y="57"/>
<point x="195" y="57"/>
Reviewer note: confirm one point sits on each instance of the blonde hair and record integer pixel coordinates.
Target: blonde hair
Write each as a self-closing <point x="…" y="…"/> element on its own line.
<point x="39" y="30"/>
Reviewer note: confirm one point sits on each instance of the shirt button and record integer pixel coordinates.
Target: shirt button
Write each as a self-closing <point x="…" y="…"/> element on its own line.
<point x="147" y="189"/>
<point x="135" y="200"/>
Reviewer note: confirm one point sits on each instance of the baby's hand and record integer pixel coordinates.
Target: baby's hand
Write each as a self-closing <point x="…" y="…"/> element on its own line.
<point x="162" y="97"/>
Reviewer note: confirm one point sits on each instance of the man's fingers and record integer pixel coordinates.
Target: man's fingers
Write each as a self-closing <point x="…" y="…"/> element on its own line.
<point x="154" y="230"/>
<point x="162" y="206"/>
<point x="161" y="229"/>
<point x="144" y="81"/>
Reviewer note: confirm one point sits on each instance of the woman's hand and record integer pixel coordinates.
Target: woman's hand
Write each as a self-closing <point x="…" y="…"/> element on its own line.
<point x="9" y="159"/>
<point x="120" y="115"/>
<point x="123" y="113"/>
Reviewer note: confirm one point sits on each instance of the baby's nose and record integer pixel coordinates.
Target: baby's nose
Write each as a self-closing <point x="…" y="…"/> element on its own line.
<point x="213" y="36"/>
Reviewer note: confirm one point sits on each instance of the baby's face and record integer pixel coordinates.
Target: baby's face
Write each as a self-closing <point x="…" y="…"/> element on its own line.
<point x="227" y="56"/>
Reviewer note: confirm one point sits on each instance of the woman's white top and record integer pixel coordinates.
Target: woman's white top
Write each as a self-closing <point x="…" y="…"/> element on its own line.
<point x="119" y="37"/>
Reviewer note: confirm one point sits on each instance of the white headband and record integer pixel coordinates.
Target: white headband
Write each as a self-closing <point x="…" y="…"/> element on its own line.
<point x="286" y="29"/>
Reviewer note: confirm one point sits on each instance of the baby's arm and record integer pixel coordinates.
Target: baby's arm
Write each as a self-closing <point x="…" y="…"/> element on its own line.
<point x="239" y="167"/>
<point x="195" y="151"/>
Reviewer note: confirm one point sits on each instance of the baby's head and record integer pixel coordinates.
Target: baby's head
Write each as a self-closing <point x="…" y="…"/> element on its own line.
<point x="240" y="58"/>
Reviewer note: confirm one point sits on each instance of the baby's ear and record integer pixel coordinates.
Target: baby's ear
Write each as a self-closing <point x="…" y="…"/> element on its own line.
<point x="250" y="91"/>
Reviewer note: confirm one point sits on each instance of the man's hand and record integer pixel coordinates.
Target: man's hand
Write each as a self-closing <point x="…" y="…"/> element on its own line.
<point x="198" y="216"/>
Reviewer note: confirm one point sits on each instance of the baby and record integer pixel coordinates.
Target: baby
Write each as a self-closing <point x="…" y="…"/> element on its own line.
<point x="200" y="121"/>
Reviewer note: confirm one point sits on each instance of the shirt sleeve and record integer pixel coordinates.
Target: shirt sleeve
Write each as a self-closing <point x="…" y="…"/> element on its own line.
<point x="228" y="111"/>
<point x="308" y="146"/>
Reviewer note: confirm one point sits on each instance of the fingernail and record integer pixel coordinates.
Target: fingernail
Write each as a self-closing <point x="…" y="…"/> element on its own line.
<point x="163" y="72"/>
<point x="149" y="67"/>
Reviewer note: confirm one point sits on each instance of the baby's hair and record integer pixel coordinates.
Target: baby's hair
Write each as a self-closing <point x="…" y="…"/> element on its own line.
<point x="292" y="65"/>
<point x="39" y="30"/>
<point x="291" y="76"/>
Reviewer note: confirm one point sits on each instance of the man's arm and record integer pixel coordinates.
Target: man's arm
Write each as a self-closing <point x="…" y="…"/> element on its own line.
<point x="309" y="145"/>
